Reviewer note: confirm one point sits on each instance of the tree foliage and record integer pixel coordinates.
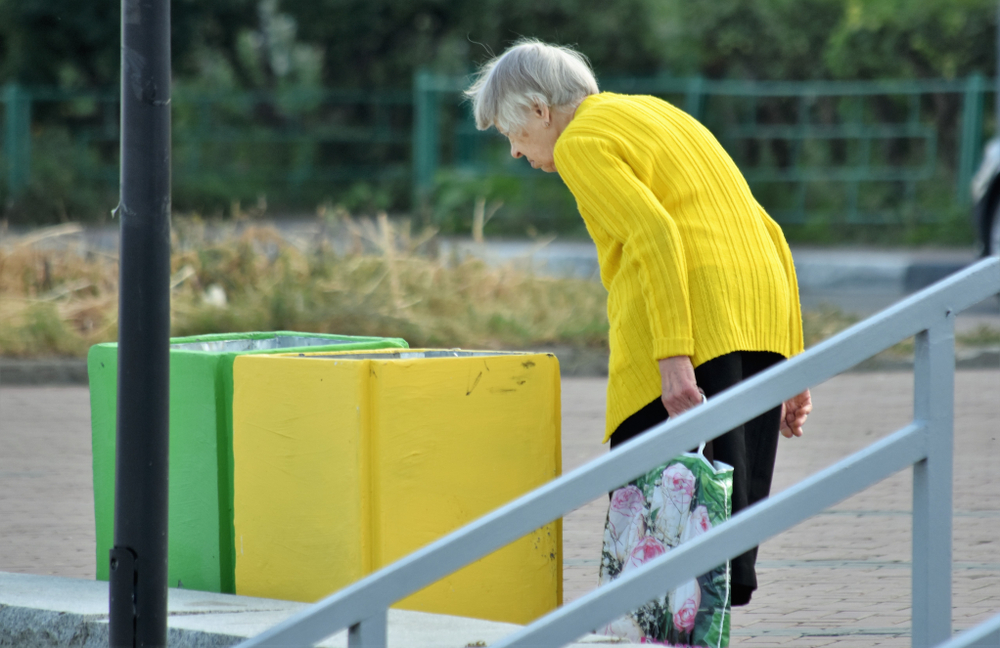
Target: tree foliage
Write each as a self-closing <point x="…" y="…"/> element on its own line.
<point x="75" y="44"/>
<point x="907" y="39"/>
<point x="380" y="43"/>
<point x="224" y="46"/>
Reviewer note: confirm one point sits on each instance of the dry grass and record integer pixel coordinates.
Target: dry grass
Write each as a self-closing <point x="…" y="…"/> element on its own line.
<point x="981" y="336"/>
<point x="57" y="297"/>
<point x="824" y="322"/>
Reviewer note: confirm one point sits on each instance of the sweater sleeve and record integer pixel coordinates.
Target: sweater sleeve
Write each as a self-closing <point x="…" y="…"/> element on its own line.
<point x="794" y="307"/>
<point x="610" y="196"/>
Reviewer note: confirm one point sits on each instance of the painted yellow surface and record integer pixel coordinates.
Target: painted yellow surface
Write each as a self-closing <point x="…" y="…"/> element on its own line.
<point x="300" y="505"/>
<point x="443" y="441"/>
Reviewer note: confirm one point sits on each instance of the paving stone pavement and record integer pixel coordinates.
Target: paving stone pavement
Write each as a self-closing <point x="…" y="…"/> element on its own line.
<point x="46" y="488"/>
<point x="840" y="579"/>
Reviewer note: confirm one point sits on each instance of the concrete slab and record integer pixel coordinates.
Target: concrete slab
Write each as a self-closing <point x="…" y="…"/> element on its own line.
<point x="903" y="270"/>
<point x="56" y="611"/>
<point x="897" y="271"/>
<point x="841" y="579"/>
<point x="43" y="371"/>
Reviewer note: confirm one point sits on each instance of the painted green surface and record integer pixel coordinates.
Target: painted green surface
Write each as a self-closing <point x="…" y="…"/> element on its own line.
<point x="200" y="545"/>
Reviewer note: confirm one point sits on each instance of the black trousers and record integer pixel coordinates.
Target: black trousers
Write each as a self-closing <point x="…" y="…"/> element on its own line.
<point x="750" y="449"/>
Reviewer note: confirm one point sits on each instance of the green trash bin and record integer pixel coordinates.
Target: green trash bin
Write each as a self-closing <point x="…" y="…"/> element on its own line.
<point x="200" y="543"/>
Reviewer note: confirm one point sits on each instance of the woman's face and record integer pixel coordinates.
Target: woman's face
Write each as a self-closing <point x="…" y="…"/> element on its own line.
<point x="537" y="140"/>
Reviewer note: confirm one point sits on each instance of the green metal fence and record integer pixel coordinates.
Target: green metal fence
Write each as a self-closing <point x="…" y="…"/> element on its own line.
<point x="17" y="137"/>
<point x="841" y="152"/>
<point x="301" y="145"/>
<point x="849" y="152"/>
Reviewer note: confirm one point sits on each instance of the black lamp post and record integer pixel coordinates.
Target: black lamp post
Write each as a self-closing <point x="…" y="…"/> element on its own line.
<point x="138" y="582"/>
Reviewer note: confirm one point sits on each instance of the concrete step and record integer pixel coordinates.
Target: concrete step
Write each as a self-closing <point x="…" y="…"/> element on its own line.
<point x="41" y="611"/>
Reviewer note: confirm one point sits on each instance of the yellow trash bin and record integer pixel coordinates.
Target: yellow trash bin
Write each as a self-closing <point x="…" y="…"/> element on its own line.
<point x="345" y="462"/>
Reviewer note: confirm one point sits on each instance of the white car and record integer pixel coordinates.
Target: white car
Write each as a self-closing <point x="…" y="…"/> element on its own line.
<point x="986" y="198"/>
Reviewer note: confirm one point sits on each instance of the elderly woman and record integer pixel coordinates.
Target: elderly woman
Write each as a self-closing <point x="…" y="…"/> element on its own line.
<point x="701" y="288"/>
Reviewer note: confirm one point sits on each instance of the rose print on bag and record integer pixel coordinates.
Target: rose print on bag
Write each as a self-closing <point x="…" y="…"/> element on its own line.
<point x="697" y="524"/>
<point x="647" y="549"/>
<point x="674" y="503"/>
<point x="625" y="521"/>
<point x="671" y="501"/>
<point x="684" y="603"/>
<point x="686" y="599"/>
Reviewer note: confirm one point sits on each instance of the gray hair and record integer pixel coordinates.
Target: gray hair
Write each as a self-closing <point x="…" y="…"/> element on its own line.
<point x="531" y="73"/>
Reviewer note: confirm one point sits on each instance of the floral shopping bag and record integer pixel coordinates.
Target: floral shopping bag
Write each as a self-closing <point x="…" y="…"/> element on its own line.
<point x="671" y="504"/>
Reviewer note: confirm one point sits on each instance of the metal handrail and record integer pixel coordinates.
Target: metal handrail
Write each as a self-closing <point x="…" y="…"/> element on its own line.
<point x="926" y="444"/>
<point x="984" y="635"/>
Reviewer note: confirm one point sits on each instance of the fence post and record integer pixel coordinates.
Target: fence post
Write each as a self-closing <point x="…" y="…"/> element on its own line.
<point x="17" y="138"/>
<point x="694" y="98"/>
<point x="972" y="135"/>
<point x="425" y="138"/>
<point x="933" y="404"/>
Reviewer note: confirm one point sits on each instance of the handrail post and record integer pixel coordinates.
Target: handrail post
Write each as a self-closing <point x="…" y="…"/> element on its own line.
<point x="370" y="633"/>
<point x="933" y="403"/>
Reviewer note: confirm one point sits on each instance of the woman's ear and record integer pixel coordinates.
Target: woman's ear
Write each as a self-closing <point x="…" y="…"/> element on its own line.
<point x="542" y="112"/>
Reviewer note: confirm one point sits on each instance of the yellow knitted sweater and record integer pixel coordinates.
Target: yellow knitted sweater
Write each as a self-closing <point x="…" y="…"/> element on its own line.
<point x="692" y="264"/>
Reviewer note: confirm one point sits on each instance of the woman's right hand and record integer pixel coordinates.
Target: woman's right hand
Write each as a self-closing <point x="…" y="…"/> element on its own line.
<point x="680" y="390"/>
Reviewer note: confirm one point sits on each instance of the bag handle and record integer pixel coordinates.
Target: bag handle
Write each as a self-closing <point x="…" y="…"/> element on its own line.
<point x="701" y="446"/>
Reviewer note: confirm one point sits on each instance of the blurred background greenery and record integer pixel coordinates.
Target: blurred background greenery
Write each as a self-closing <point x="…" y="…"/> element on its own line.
<point x="854" y="121"/>
<point x="291" y="104"/>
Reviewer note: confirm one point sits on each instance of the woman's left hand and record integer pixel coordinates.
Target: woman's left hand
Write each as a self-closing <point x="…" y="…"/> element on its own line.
<point x="680" y="391"/>
<point x="794" y="412"/>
